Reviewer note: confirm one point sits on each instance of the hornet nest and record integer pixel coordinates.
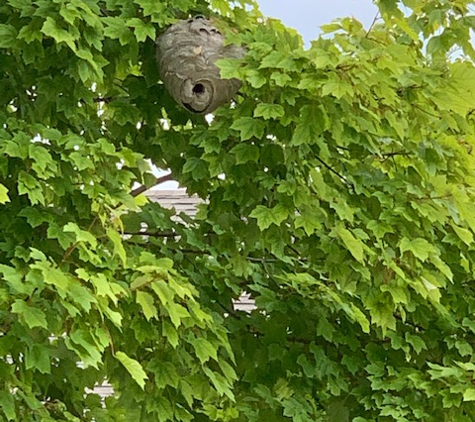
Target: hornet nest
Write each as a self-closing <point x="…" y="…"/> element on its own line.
<point x="186" y="55"/>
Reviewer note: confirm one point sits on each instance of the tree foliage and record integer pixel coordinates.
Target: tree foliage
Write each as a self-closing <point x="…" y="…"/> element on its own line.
<point x="339" y="192"/>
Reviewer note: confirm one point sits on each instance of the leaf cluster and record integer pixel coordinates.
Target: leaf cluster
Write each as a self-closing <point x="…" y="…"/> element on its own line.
<point x="337" y="190"/>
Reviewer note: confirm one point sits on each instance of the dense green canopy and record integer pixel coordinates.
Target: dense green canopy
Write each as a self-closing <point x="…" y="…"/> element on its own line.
<point x="339" y="192"/>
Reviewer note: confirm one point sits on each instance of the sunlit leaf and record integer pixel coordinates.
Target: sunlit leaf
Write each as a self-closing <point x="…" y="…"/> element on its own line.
<point x="133" y="367"/>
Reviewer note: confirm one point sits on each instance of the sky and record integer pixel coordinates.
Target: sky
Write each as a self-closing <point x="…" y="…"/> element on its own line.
<point x="307" y="15"/>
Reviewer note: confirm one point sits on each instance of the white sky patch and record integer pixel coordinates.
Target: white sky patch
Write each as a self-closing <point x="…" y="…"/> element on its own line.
<point x="306" y="16"/>
<point x="157" y="172"/>
<point x="39" y="139"/>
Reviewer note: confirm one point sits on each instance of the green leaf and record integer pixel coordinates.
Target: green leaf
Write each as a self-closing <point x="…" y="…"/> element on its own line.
<point x="245" y="153"/>
<point x="51" y="29"/>
<point x="146" y="301"/>
<point x="164" y="409"/>
<point x="7" y="405"/>
<point x="204" y="349"/>
<point x="416" y="342"/>
<point x="459" y="95"/>
<point x="419" y="247"/>
<point x="170" y="333"/>
<point x="54" y="277"/>
<point x="81" y="235"/>
<point x="81" y="295"/>
<point x="165" y="374"/>
<point x="81" y="161"/>
<point x="354" y="245"/>
<point x="228" y="370"/>
<point x="274" y="59"/>
<point x="382" y="315"/>
<point x="464" y="348"/>
<point x="268" y="216"/>
<point x="406" y="27"/>
<point x="249" y="127"/>
<point x="116" y="28"/>
<point x="255" y="79"/>
<point x="337" y="89"/>
<point x="141" y="29"/>
<point x="309" y="219"/>
<point x="338" y="412"/>
<point x="43" y="161"/>
<point x="133" y="367"/>
<point x="3" y="194"/>
<point x="360" y="318"/>
<point x="103" y="287"/>
<point x="331" y="27"/>
<point x="399" y="294"/>
<point x="14" y="279"/>
<point x="28" y="185"/>
<point x="152" y="7"/>
<point x="220" y="383"/>
<point x="281" y="79"/>
<point x="467" y="322"/>
<point x="469" y="394"/>
<point x="464" y="234"/>
<point x="269" y="111"/>
<point x="38" y="357"/>
<point x="119" y="249"/>
<point x="33" y="317"/>
<point x="197" y="167"/>
<point x="85" y="346"/>
<point x="313" y="121"/>
<point x="8" y="36"/>
<point x="229" y="68"/>
<point x="308" y="368"/>
<point x="177" y="313"/>
<point x="141" y="281"/>
<point x="163" y="291"/>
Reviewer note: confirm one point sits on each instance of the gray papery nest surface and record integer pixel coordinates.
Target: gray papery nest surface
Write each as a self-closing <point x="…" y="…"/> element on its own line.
<point x="186" y="55"/>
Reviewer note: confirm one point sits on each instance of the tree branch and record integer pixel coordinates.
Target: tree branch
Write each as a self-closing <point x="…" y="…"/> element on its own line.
<point x="143" y="188"/>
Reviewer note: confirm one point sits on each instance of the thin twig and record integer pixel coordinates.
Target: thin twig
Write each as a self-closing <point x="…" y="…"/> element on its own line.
<point x="340" y="176"/>
<point x="105" y="100"/>
<point x="69" y="251"/>
<point x="262" y="260"/>
<point x="392" y="154"/>
<point x="414" y="325"/>
<point x="372" y="24"/>
<point x="427" y="112"/>
<point x="388" y="155"/>
<point x="152" y="234"/>
<point x="295" y="251"/>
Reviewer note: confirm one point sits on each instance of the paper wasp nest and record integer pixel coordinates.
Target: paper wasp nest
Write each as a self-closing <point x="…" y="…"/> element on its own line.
<point x="186" y="55"/>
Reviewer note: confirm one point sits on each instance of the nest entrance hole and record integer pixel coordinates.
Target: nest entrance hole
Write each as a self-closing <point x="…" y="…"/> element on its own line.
<point x="199" y="89"/>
